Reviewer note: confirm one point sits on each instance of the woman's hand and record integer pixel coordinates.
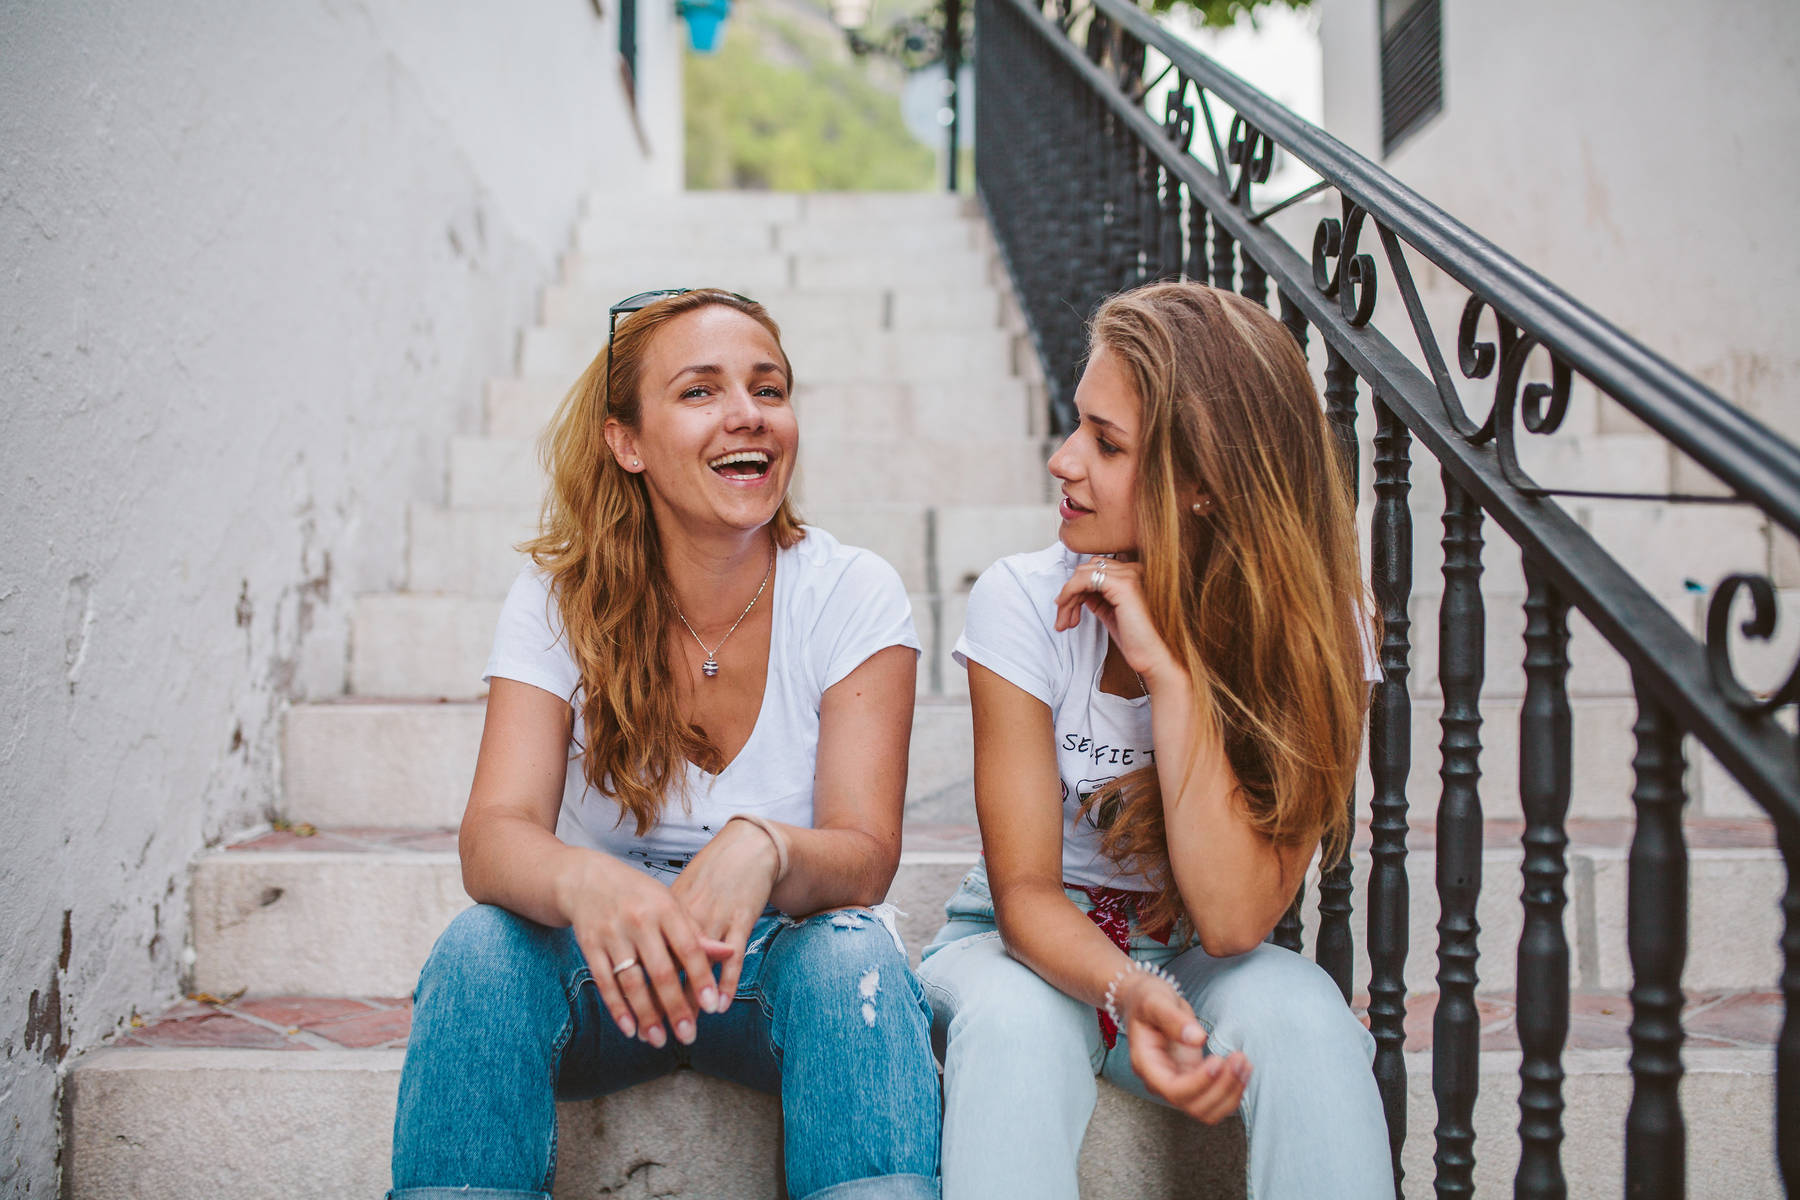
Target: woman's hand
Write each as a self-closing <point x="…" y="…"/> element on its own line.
<point x="1119" y="603"/>
<point x="725" y="889"/>
<point x="1168" y="1051"/>
<point x="621" y="916"/>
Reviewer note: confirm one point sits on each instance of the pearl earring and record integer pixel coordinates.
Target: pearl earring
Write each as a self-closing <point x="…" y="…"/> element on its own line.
<point x="636" y="463"/>
<point x="1201" y="507"/>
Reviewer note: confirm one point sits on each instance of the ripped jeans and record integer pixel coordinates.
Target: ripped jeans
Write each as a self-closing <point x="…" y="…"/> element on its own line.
<point x="507" y="1020"/>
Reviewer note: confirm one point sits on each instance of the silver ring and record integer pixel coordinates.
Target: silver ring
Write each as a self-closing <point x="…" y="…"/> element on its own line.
<point x="625" y="966"/>
<point x="1096" y="578"/>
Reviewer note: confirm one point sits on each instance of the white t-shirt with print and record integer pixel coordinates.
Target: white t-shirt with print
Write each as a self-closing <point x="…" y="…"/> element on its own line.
<point x="834" y="606"/>
<point x="1011" y="630"/>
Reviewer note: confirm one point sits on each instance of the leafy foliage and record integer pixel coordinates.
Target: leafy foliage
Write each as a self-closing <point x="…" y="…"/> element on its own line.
<point x="1222" y="14"/>
<point x="783" y="106"/>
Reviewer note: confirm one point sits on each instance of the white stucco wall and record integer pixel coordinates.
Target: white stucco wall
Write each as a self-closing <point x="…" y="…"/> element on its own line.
<point x="1640" y="153"/>
<point x="255" y="262"/>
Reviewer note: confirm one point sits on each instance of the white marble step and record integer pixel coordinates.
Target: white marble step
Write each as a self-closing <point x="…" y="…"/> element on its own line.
<point x="654" y="233"/>
<point x="748" y="207"/>
<point x="560" y="351"/>
<point x="408" y="765"/>
<point x="470" y="551"/>
<point x="355" y="912"/>
<point x="504" y="473"/>
<point x="862" y="305"/>
<point x="996" y="404"/>
<point x="628" y="271"/>
<point x="171" y="1124"/>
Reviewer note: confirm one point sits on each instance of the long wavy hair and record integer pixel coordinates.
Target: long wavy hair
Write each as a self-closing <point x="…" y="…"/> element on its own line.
<point x="599" y="545"/>
<point x="1261" y="598"/>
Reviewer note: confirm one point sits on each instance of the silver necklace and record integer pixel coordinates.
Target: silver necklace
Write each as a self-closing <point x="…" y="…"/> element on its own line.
<point x="711" y="666"/>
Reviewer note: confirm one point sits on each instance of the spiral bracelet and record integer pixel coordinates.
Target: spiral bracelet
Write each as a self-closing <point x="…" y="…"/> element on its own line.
<point x="1150" y="969"/>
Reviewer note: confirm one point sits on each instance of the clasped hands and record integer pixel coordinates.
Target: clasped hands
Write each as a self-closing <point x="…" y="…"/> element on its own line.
<point x="653" y="948"/>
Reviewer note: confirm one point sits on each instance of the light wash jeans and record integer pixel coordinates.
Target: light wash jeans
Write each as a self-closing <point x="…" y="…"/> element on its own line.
<point x="1020" y="1059"/>
<point x="507" y="1020"/>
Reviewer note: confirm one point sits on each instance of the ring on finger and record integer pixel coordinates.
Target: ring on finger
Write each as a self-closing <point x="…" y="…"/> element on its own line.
<point x="624" y="966"/>
<point x="1097" y="578"/>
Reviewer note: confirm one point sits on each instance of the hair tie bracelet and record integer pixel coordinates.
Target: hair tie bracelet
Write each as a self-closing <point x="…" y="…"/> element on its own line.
<point x="1137" y="964"/>
<point x="781" y="848"/>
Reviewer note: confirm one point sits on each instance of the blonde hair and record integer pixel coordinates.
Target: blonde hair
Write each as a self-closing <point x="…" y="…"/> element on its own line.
<point x="598" y="543"/>
<point x="1261" y="597"/>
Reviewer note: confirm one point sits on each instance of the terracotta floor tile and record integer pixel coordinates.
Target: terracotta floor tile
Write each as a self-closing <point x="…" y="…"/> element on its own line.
<point x="219" y="1028"/>
<point x="1750" y="1017"/>
<point x="301" y="1011"/>
<point x="373" y="1027"/>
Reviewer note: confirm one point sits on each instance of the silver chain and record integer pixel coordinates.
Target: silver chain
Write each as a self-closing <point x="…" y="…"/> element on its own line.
<point x="711" y="666"/>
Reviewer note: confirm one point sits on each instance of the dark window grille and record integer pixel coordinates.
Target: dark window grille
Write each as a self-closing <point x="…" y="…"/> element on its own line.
<point x="628" y="44"/>
<point x="1412" y="67"/>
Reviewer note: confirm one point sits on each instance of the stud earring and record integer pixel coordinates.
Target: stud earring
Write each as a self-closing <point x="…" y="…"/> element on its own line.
<point x="1201" y="507"/>
<point x="636" y="463"/>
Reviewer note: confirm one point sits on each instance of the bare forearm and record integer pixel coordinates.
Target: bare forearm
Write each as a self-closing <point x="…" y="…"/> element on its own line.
<point x="516" y="863"/>
<point x="1044" y="930"/>
<point x="1230" y="876"/>
<point x="833" y="868"/>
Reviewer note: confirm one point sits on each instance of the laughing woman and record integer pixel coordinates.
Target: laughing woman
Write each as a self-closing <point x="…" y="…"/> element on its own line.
<point x="1168" y="706"/>
<point x="735" y="691"/>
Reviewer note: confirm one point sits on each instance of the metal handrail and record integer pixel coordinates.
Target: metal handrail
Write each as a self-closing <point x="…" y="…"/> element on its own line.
<point x="1088" y="194"/>
<point x="1741" y="451"/>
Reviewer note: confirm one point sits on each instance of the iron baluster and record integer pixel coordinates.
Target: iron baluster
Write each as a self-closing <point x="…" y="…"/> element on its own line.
<point x="1390" y="757"/>
<point x="1195" y="269"/>
<point x="1543" y="964"/>
<point x="1295" y="320"/>
<point x="1656" y="924"/>
<point x="1255" y="285"/>
<point x="1787" y="1046"/>
<point x="1224" y="256"/>
<point x="1456" y="1026"/>
<point x="1335" y="949"/>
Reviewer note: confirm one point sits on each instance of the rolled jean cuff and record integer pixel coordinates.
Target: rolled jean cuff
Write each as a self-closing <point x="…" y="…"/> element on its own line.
<point x="879" y="1187"/>
<point x="464" y="1193"/>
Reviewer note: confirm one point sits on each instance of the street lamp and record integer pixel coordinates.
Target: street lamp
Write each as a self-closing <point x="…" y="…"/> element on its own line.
<point x="917" y="43"/>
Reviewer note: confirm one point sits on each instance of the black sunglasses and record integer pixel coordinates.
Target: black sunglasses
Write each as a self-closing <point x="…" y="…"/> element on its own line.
<point x="642" y="300"/>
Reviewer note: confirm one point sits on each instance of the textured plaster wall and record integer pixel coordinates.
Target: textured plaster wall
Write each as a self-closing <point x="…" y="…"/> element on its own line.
<point x="255" y="261"/>
<point x="1639" y="153"/>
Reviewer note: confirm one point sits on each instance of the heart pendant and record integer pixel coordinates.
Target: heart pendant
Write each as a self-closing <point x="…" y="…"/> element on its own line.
<point x="709" y="668"/>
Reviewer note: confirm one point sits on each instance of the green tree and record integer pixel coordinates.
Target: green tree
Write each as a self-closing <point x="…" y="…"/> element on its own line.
<point x="783" y="106"/>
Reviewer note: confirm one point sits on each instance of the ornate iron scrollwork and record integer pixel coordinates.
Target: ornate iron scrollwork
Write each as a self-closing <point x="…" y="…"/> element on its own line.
<point x="1178" y="114"/>
<point x="1253" y="153"/>
<point x="1541" y="407"/>
<point x="1339" y="271"/>
<point x="1759" y="626"/>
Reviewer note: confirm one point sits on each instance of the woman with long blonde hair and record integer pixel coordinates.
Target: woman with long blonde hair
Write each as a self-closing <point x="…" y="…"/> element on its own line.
<point x="735" y="690"/>
<point x="1168" y="706"/>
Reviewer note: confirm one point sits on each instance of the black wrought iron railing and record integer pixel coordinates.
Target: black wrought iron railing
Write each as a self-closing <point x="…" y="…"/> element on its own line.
<point x="1090" y="192"/>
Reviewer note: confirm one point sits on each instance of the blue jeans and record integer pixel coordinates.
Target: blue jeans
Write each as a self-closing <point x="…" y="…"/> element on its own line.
<point x="1020" y="1058"/>
<point x="507" y="1020"/>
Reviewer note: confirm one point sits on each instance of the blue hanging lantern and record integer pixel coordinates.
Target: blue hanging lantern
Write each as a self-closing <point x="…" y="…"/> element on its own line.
<point x="705" y="19"/>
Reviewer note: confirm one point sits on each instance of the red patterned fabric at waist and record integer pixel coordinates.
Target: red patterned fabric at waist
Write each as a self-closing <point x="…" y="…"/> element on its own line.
<point x="1113" y="911"/>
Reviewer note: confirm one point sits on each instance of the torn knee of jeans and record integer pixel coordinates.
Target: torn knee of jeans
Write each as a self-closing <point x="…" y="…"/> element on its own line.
<point x="847" y="918"/>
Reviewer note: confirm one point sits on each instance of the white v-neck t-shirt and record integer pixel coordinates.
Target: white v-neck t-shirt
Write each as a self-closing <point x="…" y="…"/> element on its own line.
<point x="1011" y="630"/>
<point x="834" y="607"/>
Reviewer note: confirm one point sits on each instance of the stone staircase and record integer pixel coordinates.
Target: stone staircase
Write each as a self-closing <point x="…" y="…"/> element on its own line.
<point x="922" y="438"/>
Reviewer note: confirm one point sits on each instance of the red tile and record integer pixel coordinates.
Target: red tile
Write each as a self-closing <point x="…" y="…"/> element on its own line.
<point x="217" y="1028"/>
<point x="1750" y="1017"/>
<point x="300" y="1011"/>
<point x="373" y="1027"/>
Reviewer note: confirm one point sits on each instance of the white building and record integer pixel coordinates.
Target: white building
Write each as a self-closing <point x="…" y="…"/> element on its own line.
<point x="1638" y="154"/>
<point x="258" y="260"/>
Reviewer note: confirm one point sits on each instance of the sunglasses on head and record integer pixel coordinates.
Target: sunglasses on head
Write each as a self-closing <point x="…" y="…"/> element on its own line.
<point x="642" y="300"/>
